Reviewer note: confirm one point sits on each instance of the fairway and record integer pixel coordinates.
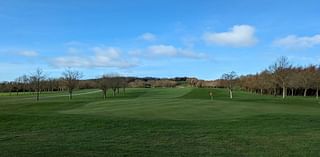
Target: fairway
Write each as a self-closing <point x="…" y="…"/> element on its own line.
<point x="159" y="122"/>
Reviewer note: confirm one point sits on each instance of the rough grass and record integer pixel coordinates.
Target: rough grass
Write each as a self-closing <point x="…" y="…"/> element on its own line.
<point x="160" y="122"/>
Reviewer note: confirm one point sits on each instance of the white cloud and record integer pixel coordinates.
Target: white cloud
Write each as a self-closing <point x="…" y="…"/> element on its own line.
<point x="109" y="52"/>
<point x="293" y="41"/>
<point x="191" y="54"/>
<point x="109" y="57"/>
<point x="71" y="61"/>
<point x="167" y="51"/>
<point x="238" y="36"/>
<point x="101" y="57"/>
<point x="147" y="37"/>
<point x="163" y="50"/>
<point x="28" y="53"/>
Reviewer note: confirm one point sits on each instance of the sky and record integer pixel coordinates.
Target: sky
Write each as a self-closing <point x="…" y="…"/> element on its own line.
<point x="158" y="38"/>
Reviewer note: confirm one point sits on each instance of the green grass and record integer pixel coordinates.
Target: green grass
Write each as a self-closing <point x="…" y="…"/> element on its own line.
<point x="159" y="122"/>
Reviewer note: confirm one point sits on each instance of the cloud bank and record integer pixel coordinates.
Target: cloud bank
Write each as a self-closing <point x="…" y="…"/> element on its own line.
<point x="171" y="51"/>
<point x="101" y="57"/>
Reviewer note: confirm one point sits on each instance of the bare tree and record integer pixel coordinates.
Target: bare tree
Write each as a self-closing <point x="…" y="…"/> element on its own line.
<point x="114" y="83"/>
<point x="137" y="84"/>
<point x="25" y="80"/>
<point x="71" y="78"/>
<point x="306" y="78"/>
<point x="124" y="84"/>
<point x="192" y="81"/>
<point x="294" y="82"/>
<point x="280" y="70"/>
<point x="37" y="79"/>
<point x="18" y="82"/>
<point x="199" y="83"/>
<point x="104" y="84"/>
<point x="264" y="81"/>
<point x="229" y="79"/>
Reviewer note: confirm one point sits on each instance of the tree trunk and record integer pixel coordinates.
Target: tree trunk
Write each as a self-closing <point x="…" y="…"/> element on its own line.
<point x="38" y="89"/>
<point x="317" y="93"/>
<point x="283" y="92"/>
<point x="292" y="92"/>
<point x="38" y="93"/>
<point x="70" y="94"/>
<point x="261" y="91"/>
<point x="104" y="94"/>
<point x="275" y="91"/>
<point x="305" y="92"/>
<point x="230" y="92"/>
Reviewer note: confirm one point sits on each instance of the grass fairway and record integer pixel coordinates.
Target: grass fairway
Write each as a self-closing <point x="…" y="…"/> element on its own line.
<point x="159" y="122"/>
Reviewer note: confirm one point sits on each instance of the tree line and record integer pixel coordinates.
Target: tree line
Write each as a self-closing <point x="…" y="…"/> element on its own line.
<point x="280" y="78"/>
<point x="38" y="82"/>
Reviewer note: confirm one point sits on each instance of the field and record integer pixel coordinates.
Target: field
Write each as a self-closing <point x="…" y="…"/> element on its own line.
<point x="159" y="122"/>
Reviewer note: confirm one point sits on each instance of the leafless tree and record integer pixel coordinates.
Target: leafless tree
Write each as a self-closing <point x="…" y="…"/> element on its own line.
<point x="104" y="84"/>
<point x="37" y="79"/>
<point x="281" y="71"/>
<point x="229" y="79"/>
<point x="137" y="84"/>
<point x="264" y="81"/>
<point x="199" y="84"/>
<point x="71" y="79"/>
<point x="88" y="84"/>
<point x="294" y="81"/>
<point x="25" y="81"/>
<point x="114" y="83"/>
<point x="18" y="82"/>
<point x="192" y="81"/>
<point x="123" y="84"/>
<point x="306" y="78"/>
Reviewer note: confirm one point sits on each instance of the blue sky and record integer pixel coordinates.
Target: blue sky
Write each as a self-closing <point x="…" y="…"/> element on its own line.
<point x="160" y="38"/>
